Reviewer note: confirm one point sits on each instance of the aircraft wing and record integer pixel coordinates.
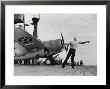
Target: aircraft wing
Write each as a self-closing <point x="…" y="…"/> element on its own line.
<point x="30" y="55"/>
<point x="27" y="40"/>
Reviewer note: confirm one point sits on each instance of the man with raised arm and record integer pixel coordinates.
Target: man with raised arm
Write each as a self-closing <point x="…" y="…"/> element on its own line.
<point x="73" y="45"/>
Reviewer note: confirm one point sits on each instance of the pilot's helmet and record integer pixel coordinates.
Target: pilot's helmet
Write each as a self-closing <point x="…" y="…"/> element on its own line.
<point x="75" y="39"/>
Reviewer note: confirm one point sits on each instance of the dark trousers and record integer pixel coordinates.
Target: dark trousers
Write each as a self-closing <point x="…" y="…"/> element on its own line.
<point x="72" y="54"/>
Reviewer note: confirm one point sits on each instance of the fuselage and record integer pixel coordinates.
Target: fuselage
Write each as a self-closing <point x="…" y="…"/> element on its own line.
<point x="26" y="46"/>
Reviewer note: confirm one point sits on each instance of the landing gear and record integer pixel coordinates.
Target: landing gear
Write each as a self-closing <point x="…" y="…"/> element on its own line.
<point x="50" y="59"/>
<point x="48" y="62"/>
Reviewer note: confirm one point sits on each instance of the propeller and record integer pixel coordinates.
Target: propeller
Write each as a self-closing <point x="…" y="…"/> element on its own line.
<point x="64" y="45"/>
<point x="62" y="40"/>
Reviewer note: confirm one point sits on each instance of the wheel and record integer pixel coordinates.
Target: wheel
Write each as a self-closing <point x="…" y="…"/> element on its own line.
<point x="48" y="62"/>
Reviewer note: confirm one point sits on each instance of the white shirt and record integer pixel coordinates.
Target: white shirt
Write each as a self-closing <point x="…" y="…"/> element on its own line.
<point x="73" y="44"/>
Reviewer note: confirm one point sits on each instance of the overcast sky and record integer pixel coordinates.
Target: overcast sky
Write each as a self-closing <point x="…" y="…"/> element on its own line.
<point x="83" y="26"/>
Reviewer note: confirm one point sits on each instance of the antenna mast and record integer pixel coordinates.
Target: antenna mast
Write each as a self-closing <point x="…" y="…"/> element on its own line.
<point x="35" y="23"/>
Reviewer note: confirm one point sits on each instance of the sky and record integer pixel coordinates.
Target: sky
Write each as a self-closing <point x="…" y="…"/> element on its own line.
<point x="82" y="26"/>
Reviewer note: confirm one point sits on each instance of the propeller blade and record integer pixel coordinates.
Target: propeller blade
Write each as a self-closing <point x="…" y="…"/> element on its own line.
<point x="64" y="45"/>
<point x="62" y="40"/>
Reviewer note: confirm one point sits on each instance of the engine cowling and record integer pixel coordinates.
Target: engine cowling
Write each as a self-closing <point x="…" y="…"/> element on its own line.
<point x="19" y="50"/>
<point x="53" y="45"/>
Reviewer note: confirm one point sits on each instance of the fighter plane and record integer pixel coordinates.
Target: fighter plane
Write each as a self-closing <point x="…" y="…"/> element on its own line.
<point x="27" y="46"/>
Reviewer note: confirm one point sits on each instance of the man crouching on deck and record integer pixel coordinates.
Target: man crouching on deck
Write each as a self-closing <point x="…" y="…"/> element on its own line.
<point x="73" y="45"/>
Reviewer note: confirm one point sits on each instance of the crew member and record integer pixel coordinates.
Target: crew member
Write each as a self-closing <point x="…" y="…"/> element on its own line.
<point x="73" y="45"/>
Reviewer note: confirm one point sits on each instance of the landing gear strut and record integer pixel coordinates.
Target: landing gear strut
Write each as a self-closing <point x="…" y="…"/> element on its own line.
<point x="50" y="60"/>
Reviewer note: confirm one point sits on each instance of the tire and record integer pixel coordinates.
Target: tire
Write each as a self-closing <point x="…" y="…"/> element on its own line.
<point x="48" y="62"/>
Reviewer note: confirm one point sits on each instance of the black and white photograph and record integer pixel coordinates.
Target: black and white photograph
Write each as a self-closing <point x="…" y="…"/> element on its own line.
<point x="55" y="44"/>
<point x="47" y="44"/>
<point x="62" y="43"/>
